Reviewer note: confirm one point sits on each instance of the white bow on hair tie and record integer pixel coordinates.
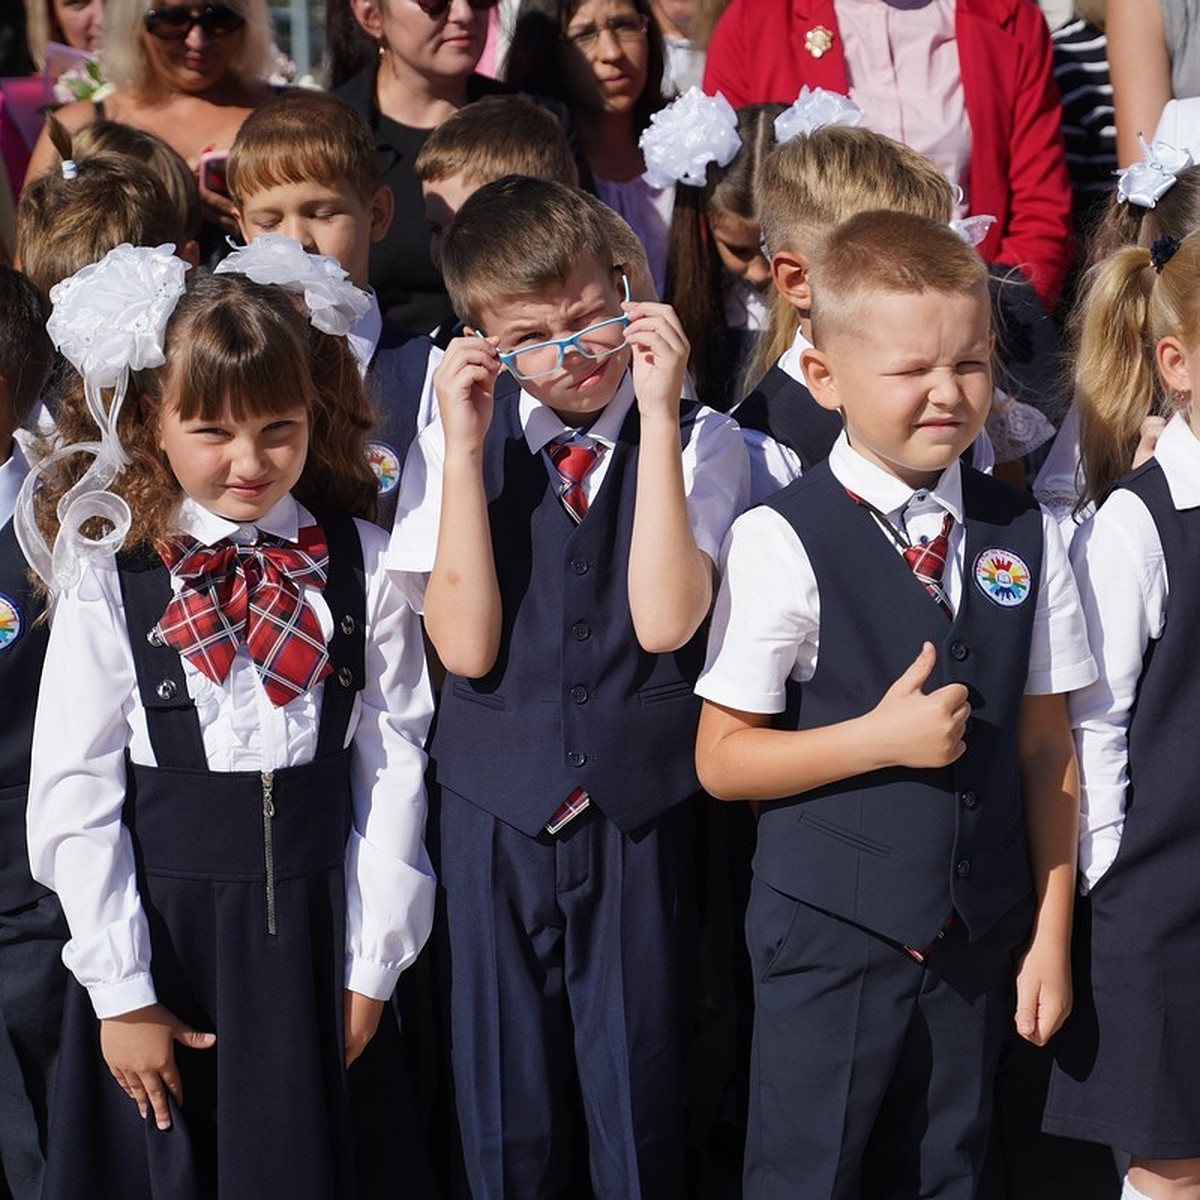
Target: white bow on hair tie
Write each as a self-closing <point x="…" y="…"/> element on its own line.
<point x="1146" y="181"/>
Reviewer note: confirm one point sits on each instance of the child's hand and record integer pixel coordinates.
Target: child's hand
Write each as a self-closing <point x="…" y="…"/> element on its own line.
<point x="464" y="383"/>
<point x="660" y="356"/>
<point x="139" y="1048"/>
<point x="915" y="729"/>
<point x="361" y="1016"/>
<point x="1043" y="992"/>
<point x="1148" y="435"/>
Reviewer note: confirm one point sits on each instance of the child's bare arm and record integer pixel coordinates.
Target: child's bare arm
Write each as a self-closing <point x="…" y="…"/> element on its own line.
<point x="1050" y="785"/>
<point x="139" y="1048"/>
<point x="738" y="757"/>
<point x="361" y="1016"/>
<point x="462" y="598"/>
<point x="670" y="578"/>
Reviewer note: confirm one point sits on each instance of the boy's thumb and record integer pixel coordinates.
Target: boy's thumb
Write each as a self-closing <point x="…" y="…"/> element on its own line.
<point x="919" y="670"/>
<point x="194" y="1039"/>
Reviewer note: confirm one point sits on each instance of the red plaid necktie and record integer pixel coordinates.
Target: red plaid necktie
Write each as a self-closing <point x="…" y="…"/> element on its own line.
<point x="249" y="593"/>
<point x="928" y="561"/>
<point x="573" y="461"/>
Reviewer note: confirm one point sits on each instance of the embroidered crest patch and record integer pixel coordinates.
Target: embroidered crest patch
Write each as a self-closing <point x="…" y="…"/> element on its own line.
<point x="1003" y="577"/>
<point x="385" y="462"/>
<point x="10" y="622"/>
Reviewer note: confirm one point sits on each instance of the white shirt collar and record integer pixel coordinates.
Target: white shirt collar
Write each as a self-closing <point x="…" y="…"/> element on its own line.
<point x="12" y="474"/>
<point x="542" y="425"/>
<point x="283" y="520"/>
<point x="365" y="333"/>
<point x="883" y="490"/>
<point x="1178" y="453"/>
<point x="789" y="360"/>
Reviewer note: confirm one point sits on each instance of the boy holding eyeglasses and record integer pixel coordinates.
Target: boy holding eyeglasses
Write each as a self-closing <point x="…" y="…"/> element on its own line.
<point x="561" y="545"/>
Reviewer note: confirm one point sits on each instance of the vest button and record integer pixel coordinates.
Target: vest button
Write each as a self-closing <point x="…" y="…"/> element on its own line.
<point x="581" y="631"/>
<point x="348" y="625"/>
<point x="968" y="798"/>
<point x="579" y="566"/>
<point x="345" y="677"/>
<point x="959" y="650"/>
<point x="166" y="690"/>
<point x="576" y="758"/>
<point x="579" y="694"/>
<point x="155" y="637"/>
<point x="962" y="868"/>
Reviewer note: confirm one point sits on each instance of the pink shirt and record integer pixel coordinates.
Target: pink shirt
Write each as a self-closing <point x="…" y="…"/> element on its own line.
<point x="903" y="68"/>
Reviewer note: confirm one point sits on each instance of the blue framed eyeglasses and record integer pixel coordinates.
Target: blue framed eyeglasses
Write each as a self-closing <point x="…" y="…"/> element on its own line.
<point x="597" y="341"/>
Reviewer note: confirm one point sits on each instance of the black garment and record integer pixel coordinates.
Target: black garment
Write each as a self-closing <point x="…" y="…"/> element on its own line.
<point x="785" y="409"/>
<point x="408" y="285"/>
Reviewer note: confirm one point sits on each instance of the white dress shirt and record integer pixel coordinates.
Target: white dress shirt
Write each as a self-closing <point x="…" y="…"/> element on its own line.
<point x="767" y="620"/>
<point x="89" y="716"/>
<point x="1123" y="585"/>
<point x="715" y="478"/>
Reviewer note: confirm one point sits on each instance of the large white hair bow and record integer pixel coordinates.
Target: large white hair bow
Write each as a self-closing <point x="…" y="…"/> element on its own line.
<point x="814" y="108"/>
<point x="1146" y="181"/>
<point x="683" y="138"/>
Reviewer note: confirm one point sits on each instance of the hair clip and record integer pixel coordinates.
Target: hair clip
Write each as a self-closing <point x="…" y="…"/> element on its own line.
<point x="814" y="108"/>
<point x="973" y="230"/>
<point x="683" y="138"/>
<point x="1145" y="182"/>
<point x="69" y="169"/>
<point x="1162" y="250"/>
<point x="108" y="319"/>
<point x="332" y="301"/>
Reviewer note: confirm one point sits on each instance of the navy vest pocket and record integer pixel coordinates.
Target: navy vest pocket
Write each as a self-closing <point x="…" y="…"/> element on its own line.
<point x="664" y="692"/>
<point x="464" y="691"/>
<point x="849" y="836"/>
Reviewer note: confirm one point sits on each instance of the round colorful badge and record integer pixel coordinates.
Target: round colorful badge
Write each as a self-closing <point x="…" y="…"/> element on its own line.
<point x="10" y="622"/>
<point x="385" y="462"/>
<point x="1003" y="577"/>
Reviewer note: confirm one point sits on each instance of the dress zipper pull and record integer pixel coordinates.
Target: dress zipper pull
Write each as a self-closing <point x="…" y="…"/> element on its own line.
<point x="268" y="814"/>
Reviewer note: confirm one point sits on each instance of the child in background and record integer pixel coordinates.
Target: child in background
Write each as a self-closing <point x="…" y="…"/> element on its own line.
<point x="217" y="797"/>
<point x="560" y="544"/>
<point x="1103" y="434"/>
<point x="1124" y="1074"/>
<point x="305" y="166"/>
<point x="716" y="271"/>
<point x="493" y="137"/>
<point x="892" y="882"/>
<point x="32" y="930"/>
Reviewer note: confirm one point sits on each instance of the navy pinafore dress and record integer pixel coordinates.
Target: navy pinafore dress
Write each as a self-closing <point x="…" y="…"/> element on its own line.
<point x="242" y="878"/>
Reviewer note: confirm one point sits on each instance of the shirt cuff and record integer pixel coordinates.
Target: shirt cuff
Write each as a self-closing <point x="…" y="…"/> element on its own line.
<point x="116" y="999"/>
<point x="744" y="701"/>
<point x="370" y="979"/>
<point x="1058" y="679"/>
<point x="1098" y="850"/>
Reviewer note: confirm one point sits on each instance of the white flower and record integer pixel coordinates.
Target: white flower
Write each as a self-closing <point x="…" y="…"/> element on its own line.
<point x="112" y="315"/>
<point x="814" y="108"/>
<point x="683" y="138"/>
<point x="333" y="302"/>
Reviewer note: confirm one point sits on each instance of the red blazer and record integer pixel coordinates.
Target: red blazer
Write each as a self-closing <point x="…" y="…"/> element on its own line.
<point x="1017" y="171"/>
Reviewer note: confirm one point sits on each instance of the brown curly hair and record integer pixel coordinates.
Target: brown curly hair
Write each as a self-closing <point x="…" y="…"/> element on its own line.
<point x="239" y="348"/>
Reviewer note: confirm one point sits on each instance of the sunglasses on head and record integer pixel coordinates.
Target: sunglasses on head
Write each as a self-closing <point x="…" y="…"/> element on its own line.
<point x="438" y="8"/>
<point x="174" y="24"/>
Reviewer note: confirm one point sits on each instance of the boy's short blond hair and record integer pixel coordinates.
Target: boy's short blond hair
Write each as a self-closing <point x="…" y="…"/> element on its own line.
<point x="884" y="253"/>
<point x="514" y="237"/>
<point x="627" y="249"/>
<point x="815" y="182"/>
<point x="494" y="137"/>
<point x="303" y="137"/>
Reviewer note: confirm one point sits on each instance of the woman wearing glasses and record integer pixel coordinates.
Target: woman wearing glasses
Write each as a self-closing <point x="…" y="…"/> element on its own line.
<point x="188" y="72"/>
<point x="604" y="60"/>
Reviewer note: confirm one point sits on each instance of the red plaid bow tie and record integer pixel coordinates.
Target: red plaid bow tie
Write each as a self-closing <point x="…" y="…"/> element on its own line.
<point x="573" y="461"/>
<point x="249" y="593"/>
<point x="928" y="561"/>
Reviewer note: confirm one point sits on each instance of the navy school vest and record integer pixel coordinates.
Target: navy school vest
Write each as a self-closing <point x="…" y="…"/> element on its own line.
<point x="22" y="651"/>
<point x="897" y="850"/>
<point x="395" y="381"/>
<point x="573" y="700"/>
<point x="785" y="409"/>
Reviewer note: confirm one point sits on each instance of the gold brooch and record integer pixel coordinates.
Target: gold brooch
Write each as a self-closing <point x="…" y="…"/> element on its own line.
<point x="818" y="41"/>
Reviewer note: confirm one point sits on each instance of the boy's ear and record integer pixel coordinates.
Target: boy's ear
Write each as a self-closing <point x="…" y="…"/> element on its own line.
<point x="369" y="15"/>
<point x="1174" y="365"/>
<point x="189" y="251"/>
<point x="818" y="371"/>
<point x="789" y="270"/>
<point x="381" y="209"/>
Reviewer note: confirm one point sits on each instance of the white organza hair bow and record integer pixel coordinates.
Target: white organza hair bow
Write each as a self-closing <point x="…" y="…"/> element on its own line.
<point x="1146" y="181"/>
<point x="683" y="138"/>
<point x="813" y="109"/>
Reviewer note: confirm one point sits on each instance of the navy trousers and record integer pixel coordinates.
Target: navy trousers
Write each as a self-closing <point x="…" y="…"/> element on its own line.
<point x="871" y="1074"/>
<point x="570" y="970"/>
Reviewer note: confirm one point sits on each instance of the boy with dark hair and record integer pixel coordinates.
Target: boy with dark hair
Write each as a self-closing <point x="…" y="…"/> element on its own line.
<point x="560" y="543"/>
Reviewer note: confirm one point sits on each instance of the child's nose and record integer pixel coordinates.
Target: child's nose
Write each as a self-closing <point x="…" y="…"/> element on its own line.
<point x="298" y="230"/>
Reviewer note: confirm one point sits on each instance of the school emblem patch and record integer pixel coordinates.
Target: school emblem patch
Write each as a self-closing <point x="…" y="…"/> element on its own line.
<point x="10" y="622"/>
<point x="1002" y="577"/>
<point x="385" y="462"/>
